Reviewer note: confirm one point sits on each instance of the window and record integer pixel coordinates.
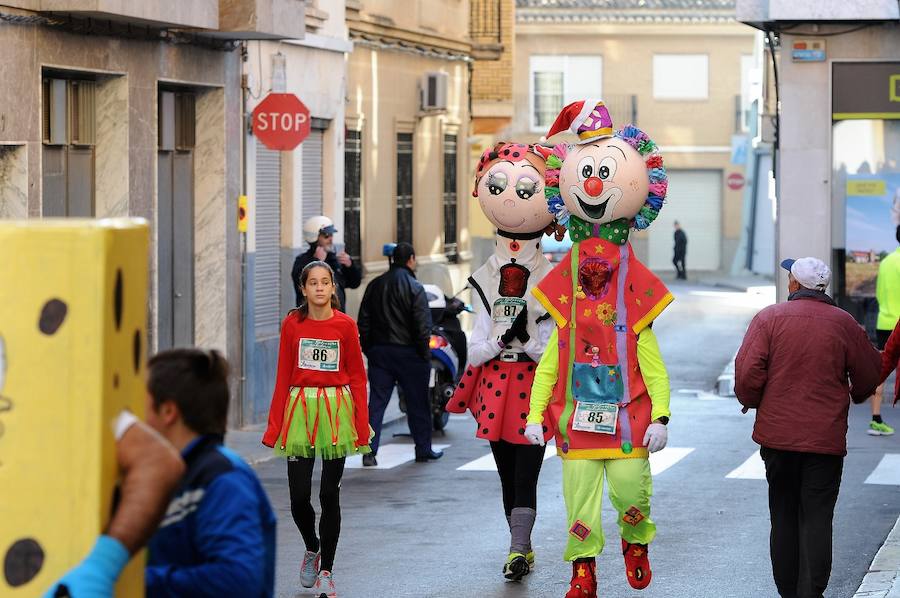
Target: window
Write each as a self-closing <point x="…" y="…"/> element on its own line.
<point x="405" y="187"/>
<point x="352" y="193"/>
<point x="450" y="247"/>
<point x="559" y="80"/>
<point x="69" y="130"/>
<point x="680" y="76"/>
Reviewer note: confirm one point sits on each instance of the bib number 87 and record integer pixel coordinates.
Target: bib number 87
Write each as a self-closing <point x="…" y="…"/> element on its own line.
<point x="509" y="311"/>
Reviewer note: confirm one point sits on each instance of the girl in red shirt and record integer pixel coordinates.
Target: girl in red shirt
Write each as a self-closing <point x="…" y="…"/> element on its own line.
<point x="319" y="408"/>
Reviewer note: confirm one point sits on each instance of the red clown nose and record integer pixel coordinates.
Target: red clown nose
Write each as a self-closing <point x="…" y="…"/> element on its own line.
<point x="593" y="186"/>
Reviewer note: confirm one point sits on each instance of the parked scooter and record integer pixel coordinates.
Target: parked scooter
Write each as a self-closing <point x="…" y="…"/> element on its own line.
<point x="448" y="350"/>
<point x="448" y="353"/>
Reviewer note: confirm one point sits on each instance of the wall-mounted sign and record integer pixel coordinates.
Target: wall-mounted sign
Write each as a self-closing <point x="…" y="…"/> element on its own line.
<point x="808" y="50"/>
<point x="865" y="90"/>
<point x="735" y="181"/>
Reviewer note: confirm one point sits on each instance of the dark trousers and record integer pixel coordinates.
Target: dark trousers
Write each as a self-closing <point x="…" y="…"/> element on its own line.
<point x="678" y="262"/>
<point x="803" y="489"/>
<point x="519" y="466"/>
<point x="391" y="365"/>
<point x="300" y="471"/>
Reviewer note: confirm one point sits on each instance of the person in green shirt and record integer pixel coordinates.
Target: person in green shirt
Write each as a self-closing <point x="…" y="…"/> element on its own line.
<point x="887" y="292"/>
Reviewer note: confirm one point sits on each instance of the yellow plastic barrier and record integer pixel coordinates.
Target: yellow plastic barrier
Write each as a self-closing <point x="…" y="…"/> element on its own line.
<point x="73" y="297"/>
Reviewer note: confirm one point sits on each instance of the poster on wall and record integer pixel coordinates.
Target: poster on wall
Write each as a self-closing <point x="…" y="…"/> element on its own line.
<point x="873" y="214"/>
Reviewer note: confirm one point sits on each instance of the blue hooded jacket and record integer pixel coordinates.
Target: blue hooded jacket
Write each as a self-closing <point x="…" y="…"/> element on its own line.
<point x="218" y="535"/>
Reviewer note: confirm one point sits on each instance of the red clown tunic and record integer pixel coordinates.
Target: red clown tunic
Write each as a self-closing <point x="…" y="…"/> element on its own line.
<point x="601" y="297"/>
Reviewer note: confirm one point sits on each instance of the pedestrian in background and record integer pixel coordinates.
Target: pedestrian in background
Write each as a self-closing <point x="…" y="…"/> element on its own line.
<point x="887" y="292"/>
<point x="680" y="251"/>
<point x="218" y="535"/>
<point x="150" y="469"/>
<point x="319" y="231"/>
<point x="318" y="410"/>
<point x="798" y="366"/>
<point x="394" y="328"/>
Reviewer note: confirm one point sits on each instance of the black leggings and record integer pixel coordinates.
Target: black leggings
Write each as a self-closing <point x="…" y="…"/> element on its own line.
<point x="300" y="471"/>
<point x="518" y="466"/>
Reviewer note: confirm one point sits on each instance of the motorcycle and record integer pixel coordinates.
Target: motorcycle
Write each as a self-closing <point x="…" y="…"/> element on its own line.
<point x="448" y="353"/>
<point x="448" y="347"/>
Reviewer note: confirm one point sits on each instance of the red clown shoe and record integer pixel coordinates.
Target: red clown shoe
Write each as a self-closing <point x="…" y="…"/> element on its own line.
<point x="637" y="565"/>
<point x="584" y="580"/>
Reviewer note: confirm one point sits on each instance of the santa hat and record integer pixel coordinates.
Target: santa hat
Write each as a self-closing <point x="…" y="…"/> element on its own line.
<point x="589" y="119"/>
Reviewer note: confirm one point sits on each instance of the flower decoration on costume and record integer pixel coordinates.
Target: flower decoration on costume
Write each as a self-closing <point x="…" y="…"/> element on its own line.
<point x="606" y="314"/>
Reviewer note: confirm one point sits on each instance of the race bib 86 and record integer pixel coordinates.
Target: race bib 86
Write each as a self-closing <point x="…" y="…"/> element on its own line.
<point x="320" y="355"/>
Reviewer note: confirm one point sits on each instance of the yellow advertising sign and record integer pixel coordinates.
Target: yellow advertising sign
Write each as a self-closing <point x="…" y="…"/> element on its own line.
<point x="874" y="187"/>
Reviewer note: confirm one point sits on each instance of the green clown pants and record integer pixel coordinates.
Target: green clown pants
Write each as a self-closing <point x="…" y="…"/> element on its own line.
<point x="630" y="489"/>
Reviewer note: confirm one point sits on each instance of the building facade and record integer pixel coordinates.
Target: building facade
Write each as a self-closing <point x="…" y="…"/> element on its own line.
<point x="132" y="108"/>
<point x="408" y="114"/>
<point x="677" y="70"/>
<point x="836" y="136"/>
<point x="286" y="188"/>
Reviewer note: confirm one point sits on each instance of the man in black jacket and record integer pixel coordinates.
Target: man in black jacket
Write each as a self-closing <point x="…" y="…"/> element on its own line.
<point x="319" y="231"/>
<point x="394" y="330"/>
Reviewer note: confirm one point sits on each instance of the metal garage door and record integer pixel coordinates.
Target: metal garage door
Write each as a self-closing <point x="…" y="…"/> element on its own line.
<point x="312" y="173"/>
<point x="695" y="200"/>
<point x="267" y="281"/>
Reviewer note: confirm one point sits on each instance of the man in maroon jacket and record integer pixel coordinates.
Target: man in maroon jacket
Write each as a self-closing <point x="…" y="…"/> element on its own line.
<point x="797" y="366"/>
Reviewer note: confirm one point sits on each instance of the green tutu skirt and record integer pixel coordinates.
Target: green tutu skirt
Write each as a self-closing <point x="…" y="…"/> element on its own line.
<point x="319" y="423"/>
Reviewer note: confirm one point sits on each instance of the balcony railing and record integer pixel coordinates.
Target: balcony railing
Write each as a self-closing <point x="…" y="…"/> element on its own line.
<point x="484" y="21"/>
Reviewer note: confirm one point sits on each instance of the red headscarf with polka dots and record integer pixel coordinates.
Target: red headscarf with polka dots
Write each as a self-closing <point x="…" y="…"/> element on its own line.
<point x="509" y="152"/>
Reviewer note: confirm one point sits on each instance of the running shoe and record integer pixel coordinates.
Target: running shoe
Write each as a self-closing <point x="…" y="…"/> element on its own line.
<point x="879" y="429"/>
<point x="516" y="566"/>
<point x="309" y="568"/>
<point x="529" y="556"/>
<point x="584" y="580"/>
<point x="637" y="565"/>
<point x="325" y="585"/>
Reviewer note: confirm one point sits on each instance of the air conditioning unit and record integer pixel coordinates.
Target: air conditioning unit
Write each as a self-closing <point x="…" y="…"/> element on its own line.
<point x="433" y="92"/>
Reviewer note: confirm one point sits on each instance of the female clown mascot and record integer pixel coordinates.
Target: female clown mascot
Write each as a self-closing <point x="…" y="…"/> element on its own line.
<point x="603" y="376"/>
<point x="510" y="334"/>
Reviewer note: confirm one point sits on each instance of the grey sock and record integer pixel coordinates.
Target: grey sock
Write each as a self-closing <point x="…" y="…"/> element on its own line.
<point x="521" y="521"/>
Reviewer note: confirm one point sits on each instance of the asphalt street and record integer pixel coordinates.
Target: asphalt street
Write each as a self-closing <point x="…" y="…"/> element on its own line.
<point x="438" y="530"/>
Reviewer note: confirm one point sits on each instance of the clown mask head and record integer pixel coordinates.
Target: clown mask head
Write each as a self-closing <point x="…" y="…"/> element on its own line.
<point x="605" y="176"/>
<point x="604" y="181"/>
<point x="509" y="185"/>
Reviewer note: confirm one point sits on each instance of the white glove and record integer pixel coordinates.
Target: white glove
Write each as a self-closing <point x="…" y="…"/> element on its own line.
<point x="535" y="434"/>
<point x="655" y="438"/>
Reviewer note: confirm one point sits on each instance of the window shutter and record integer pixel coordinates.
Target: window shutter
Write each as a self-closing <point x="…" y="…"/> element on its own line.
<point x="267" y="268"/>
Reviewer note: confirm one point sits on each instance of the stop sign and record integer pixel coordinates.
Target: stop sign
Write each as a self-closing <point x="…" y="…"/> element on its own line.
<point x="735" y="181"/>
<point x="281" y="121"/>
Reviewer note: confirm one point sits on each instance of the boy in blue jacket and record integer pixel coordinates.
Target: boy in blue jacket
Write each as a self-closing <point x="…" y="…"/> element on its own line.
<point x="218" y="535"/>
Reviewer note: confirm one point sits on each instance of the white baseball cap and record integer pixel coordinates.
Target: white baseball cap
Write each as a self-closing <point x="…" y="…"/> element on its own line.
<point x="810" y="272"/>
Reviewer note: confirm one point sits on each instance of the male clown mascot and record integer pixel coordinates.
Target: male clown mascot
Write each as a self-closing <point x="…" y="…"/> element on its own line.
<point x="510" y="334"/>
<point x="602" y="375"/>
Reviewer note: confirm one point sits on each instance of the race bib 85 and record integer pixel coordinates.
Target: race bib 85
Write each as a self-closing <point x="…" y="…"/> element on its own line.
<point x="320" y="355"/>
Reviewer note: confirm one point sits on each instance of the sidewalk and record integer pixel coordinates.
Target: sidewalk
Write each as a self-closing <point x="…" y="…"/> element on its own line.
<point x="246" y="441"/>
<point x="883" y="578"/>
<point x="748" y="283"/>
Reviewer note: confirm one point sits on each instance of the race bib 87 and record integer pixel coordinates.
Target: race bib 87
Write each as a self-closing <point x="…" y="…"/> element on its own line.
<point x="505" y="309"/>
<point x="320" y="355"/>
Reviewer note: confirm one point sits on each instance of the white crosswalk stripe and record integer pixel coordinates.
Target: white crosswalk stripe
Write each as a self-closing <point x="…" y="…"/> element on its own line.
<point x="391" y="455"/>
<point x="887" y="473"/>
<point x="751" y="469"/>
<point x="486" y="463"/>
<point x="666" y="458"/>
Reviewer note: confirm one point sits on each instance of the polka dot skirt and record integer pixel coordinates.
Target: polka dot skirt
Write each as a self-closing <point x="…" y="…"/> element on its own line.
<point x="497" y="393"/>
